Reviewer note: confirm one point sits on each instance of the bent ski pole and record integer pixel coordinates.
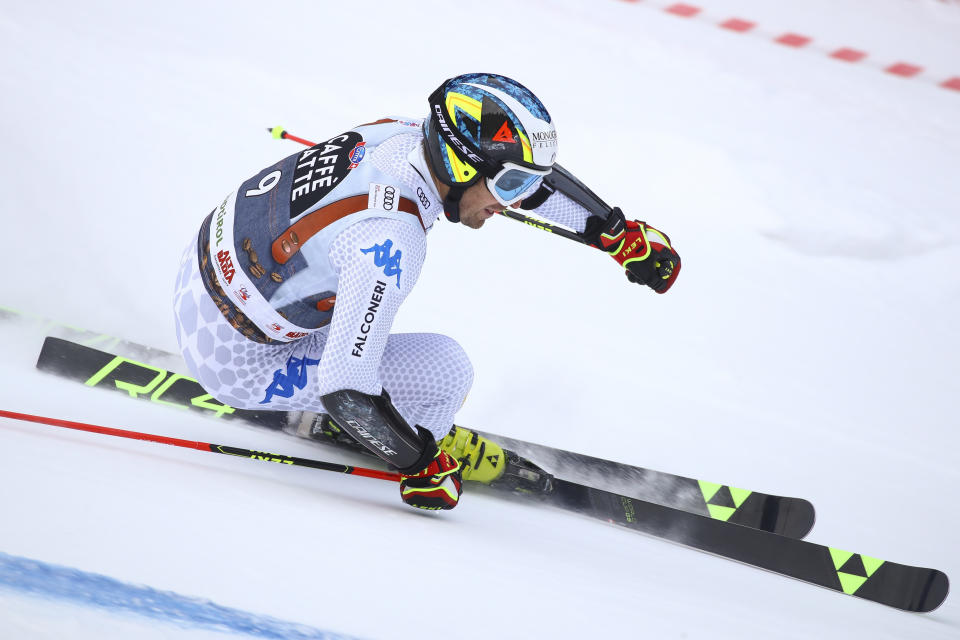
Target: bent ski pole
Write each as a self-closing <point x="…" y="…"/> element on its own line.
<point x="279" y="133"/>
<point x="206" y="446"/>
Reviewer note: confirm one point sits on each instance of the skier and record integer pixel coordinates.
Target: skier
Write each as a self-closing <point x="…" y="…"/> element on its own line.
<point x="285" y="298"/>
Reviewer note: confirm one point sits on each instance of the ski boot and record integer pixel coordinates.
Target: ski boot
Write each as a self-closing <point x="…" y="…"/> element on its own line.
<point x="483" y="460"/>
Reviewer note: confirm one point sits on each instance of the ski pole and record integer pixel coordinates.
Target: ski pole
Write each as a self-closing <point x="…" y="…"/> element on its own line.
<point x="279" y="133"/>
<point x="206" y="446"/>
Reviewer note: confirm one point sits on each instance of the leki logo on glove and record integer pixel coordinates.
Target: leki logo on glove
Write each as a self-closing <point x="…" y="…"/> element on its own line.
<point x="382" y="258"/>
<point x="286" y="383"/>
<point x="638" y="242"/>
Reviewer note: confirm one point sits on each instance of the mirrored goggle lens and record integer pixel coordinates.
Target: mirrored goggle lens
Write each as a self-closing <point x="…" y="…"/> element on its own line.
<point x="513" y="184"/>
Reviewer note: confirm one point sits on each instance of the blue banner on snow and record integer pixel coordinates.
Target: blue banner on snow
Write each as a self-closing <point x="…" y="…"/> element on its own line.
<point x="37" y="578"/>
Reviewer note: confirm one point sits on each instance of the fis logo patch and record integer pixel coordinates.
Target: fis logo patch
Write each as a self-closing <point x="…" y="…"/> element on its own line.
<point x="382" y="258"/>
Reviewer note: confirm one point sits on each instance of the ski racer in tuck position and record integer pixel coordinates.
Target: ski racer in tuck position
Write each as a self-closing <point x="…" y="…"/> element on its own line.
<point x="285" y="299"/>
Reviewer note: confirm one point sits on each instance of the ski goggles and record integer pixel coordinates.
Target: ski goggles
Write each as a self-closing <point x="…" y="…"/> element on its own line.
<point x="514" y="182"/>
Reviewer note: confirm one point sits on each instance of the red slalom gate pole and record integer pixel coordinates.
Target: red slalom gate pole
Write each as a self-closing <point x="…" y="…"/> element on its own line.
<point x="205" y="446"/>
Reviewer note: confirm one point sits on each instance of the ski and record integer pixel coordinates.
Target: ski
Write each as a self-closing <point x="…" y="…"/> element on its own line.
<point x="791" y="517"/>
<point x="896" y="585"/>
<point x="905" y="587"/>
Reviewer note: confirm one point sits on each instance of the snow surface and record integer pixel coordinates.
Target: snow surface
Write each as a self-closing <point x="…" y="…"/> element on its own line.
<point x="809" y="347"/>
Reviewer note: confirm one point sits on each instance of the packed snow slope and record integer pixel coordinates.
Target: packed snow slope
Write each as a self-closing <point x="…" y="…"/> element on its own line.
<point x="809" y="347"/>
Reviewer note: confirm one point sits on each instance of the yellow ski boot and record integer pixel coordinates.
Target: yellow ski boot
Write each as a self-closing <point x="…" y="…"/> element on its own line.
<point x="482" y="459"/>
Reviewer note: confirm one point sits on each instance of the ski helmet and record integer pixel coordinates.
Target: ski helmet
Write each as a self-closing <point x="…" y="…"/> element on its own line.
<point x="484" y="125"/>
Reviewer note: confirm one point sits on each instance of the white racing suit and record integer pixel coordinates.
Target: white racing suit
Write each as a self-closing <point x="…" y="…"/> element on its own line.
<point x="289" y="290"/>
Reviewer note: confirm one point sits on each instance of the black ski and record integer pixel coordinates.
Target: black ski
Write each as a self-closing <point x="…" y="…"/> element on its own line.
<point x="896" y="585"/>
<point x="791" y="517"/>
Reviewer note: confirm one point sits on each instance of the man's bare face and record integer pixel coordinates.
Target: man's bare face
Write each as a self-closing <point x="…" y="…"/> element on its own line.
<point x="478" y="204"/>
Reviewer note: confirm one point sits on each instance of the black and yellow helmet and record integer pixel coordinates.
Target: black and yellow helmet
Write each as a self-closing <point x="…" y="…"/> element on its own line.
<point x="484" y="125"/>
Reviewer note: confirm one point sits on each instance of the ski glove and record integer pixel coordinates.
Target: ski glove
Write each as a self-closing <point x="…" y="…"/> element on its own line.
<point x="644" y="252"/>
<point x="435" y="487"/>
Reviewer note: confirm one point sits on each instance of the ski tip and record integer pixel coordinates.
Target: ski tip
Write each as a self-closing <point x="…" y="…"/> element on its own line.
<point x="904" y="587"/>
<point x="801" y="518"/>
<point x="789" y="517"/>
<point x="935" y="593"/>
